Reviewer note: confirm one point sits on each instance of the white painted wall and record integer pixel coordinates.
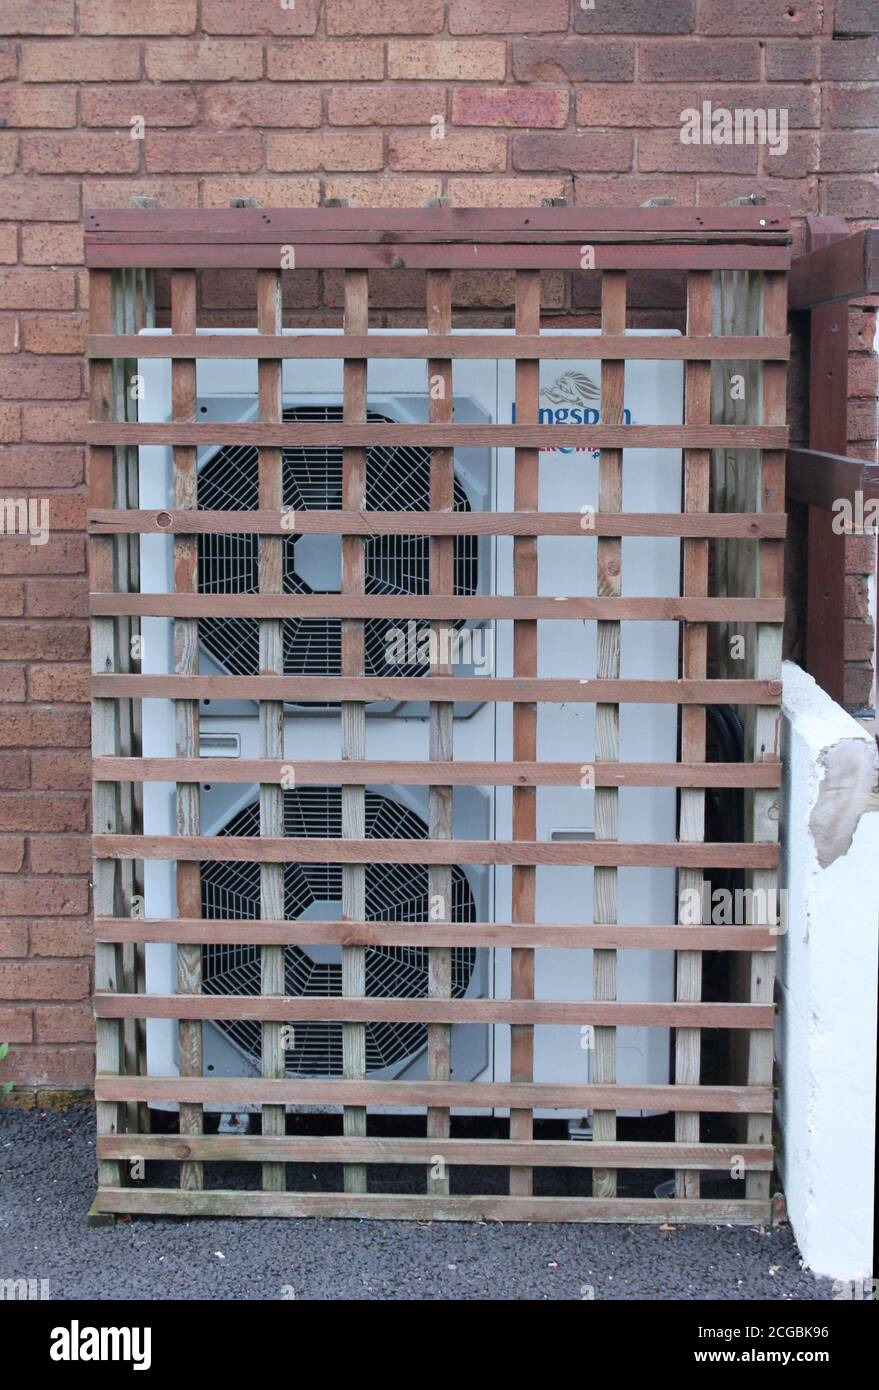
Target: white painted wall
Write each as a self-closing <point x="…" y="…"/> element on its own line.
<point x="826" y="1038"/>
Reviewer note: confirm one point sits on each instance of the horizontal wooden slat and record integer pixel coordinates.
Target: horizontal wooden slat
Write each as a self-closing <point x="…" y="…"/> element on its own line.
<point x="731" y="525"/>
<point x="511" y="689"/>
<point x="562" y="1153"/>
<point x="406" y="1207"/>
<point x="210" y="931"/>
<point x="298" y="1009"/>
<point x="411" y="774"/>
<point x="455" y="345"/>
<point x="251" y="849"/>
<point x="440" y="606"/>
<point x="230" y="1091"/>
<point x="827" y="480"/>
<point x="299" y="434"/>
<point x="844" y="269"/>
<point x="206" y="225"/>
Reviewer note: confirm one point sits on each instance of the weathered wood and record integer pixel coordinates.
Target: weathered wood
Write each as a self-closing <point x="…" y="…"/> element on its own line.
<point x="837" y="270"/>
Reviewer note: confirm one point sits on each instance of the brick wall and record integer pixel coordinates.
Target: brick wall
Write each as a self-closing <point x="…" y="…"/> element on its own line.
<point x="291" y="105"/>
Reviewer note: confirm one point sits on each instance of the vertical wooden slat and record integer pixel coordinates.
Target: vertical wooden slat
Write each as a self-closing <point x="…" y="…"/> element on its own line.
<point x="185" y="490"/>
<point x="353" y="712"/>
<point x="439" y="805"/>
<point x="607" y="717"/>
<point x="766" y="720"/>
<point x="271" y="712"/>
<point x="697" y="483"/>
<point x="526" y="499"/>
<point x="105" y="801"/>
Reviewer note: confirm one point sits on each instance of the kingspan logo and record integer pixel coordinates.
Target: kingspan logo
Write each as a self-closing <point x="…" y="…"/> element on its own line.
<point x="572" y="399"/>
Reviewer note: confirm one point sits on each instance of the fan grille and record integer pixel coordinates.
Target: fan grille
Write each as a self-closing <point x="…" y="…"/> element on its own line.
<point x="394" y="892"/>
<point x="397" y="479"/>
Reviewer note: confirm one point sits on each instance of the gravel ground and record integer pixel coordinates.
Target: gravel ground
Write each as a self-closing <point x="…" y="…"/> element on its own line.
<point x="47" y="1185"/>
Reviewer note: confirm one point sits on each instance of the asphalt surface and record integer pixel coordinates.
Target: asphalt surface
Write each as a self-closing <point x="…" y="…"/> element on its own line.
<point x="47" y="1185"/>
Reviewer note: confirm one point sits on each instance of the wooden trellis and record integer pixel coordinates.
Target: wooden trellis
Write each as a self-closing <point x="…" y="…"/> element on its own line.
<point x="700" y="243"/>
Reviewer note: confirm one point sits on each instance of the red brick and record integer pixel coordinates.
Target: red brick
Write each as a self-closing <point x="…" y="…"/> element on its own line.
<point x="87" y="60"/>
<point x="66" y="937"/>
<point x="12" y="686"/>
<point x="44" y="980"/>
<point x="858" y="641"/>
<point x="8" y="60"/>
<point x="860" y="554"/>
<point x="852" y="197"/>
<point x="38" y="106"/>
<point x="134" y="17"/>
<point x="510" y="106"/>
<point x="158" y="106"/>
<point x="204" y="152"/>
<point x="389" y="289"/>
<point x="59" y="641"/>
<point x="756" y="17"/>
<point x="57" y="598"/>
<point x="444" y="60"/>
<point x="43" y="199"/>
<point x="861" y="330"/>
<point x="60" y="854"/>
<point x="384" y="106"/>
<point x="39" y="378"/>
<point x="34" y="811"/>
<point x="259" y="17"/>
<point x="799" y="195"/>
<point x="37" y="289"/>
<point x="861" y="420"/>
<point x="636" y="17"/>
<point x="8" y="153"/>
<point x="855" y="17"/>
<point x="277" y="193"/>
<point x="262" y="105"/>
<point x="13" y="939"/>
<point x="10" y="337"/>
<point x="11" y="855"/>
<point x="615" y="105"/>
<point x="554" y="60"/>
<point x="321" y="60"/>
<point x="117" y="193"/>
<point x="382" y="192"/>
<point x="697" y="60"/>
<point x="844" y="61"/>
<point x="92" y="154"/>
<point x="857" y="599"/>
<point x="662" y="150"/>
<point x="71" y="1024"/>
<point x="43" y="897"/>
<point x="336" y="150"/>
<point x="29" y="466"/>
<point x="56" y="1066"/>
<point x="10" y="426"/>
<point x="863" y="376"/>
<point x="799" y="160"/>
<point x="588" y="150"/>
<point x="61" y="770"/>
<point x="51" y="243"/>
<point x="209" y="60"/>
<point x="11" y="596"/>
<point x="59" y="683"/>
<point x="852" y="106"/>
<point x="504" y="193"/>
<point x="48" y="17"/>
<point x="61" y="555"/>
<point x="857" y="684"/>
<point x="16" y="1025"/>
<point x="852" y="152"/>
<point x="457" y="153"/>
<point x="15" y="771"/>
<point x="221" y="289"/>
<point x="8" y="243"/>
<point x="384" y="16"/>
<point x="507" y="16"/>
<point x="54" y="333"/>
<point x="794" y="60"/>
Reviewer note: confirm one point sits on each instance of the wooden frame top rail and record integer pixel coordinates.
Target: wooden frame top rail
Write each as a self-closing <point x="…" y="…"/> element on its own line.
<point x="418" y="346"/>
<point x="293" y="1090"/>
<point x="250" y="849"/>
<point x="409" y="774"/>
<point x="263" y="932"/>
<point x="300" y="434"/>
<point x="847" y="268"/>
<point x="824" y="480"/>
<point x="745" y="525"/>
<point x="502" y="689"/>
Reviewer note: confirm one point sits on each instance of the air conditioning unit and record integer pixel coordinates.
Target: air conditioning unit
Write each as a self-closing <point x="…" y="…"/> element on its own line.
<point x="398" y="479"/>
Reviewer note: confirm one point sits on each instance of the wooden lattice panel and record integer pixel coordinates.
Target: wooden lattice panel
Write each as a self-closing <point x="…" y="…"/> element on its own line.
<point x="122" y="248"/>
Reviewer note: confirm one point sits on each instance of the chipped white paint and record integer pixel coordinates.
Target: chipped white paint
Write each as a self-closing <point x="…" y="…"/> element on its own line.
<point x="826" y="1038"/>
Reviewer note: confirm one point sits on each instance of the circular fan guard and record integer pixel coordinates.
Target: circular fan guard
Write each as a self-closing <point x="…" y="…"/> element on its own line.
<point x="394" y="892"/>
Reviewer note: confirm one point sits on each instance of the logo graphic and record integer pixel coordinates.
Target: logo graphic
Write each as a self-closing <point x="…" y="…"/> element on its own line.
<point x="572" y="399"/>
<point x="573" y="388"/>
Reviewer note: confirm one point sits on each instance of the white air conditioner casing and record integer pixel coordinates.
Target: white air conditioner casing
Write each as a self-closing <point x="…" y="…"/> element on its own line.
<point x="483" y="391"/>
